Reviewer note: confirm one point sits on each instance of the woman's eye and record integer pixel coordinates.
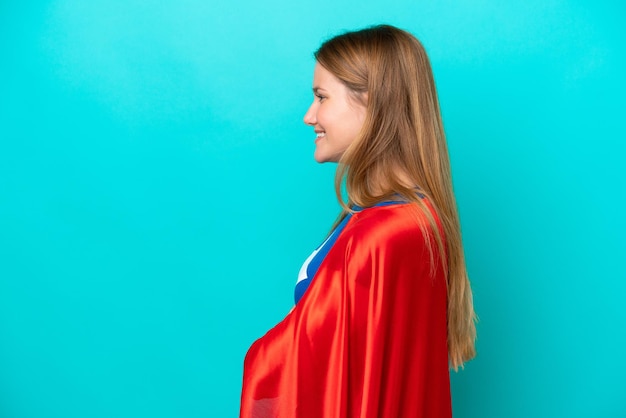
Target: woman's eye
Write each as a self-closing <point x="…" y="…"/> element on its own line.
<point x="320" y="97"/>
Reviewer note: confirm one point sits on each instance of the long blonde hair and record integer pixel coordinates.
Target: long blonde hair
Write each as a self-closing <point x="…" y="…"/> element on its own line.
<point x="387" y="70"/>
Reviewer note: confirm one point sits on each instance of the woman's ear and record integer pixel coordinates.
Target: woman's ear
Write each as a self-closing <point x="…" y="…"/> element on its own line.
<point x="363" y="98"/>
<point x="360" y="98"/>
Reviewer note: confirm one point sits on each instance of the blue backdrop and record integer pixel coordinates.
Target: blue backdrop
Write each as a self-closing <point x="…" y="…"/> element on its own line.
<point x="158" y="195"/>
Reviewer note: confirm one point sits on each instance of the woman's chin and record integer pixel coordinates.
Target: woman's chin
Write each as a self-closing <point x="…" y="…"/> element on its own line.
<point x="323" y="157"/>
<point x="320" y="157"/>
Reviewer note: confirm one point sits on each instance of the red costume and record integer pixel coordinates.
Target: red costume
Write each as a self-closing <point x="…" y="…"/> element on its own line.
<point x="369" y="337"/>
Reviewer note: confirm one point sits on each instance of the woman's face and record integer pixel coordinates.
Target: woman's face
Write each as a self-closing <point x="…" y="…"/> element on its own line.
<point x="336" y="117"/>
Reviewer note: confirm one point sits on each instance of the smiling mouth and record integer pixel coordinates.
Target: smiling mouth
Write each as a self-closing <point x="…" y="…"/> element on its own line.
<point x="320" y="135"/>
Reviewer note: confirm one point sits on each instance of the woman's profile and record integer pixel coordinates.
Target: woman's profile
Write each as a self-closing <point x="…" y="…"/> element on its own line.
<point x="384" y="305"/>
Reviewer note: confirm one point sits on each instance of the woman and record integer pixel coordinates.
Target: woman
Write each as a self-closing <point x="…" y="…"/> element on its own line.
<point x="384" y="306"/>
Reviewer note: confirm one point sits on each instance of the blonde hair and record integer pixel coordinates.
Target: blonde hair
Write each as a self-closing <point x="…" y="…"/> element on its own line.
<point x="387" y="70"/>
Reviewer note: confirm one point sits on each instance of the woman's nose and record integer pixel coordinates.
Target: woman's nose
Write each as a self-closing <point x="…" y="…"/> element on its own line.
<point x="309" y="116"/>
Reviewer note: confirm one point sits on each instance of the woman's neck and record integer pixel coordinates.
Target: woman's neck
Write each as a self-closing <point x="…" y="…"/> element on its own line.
<point x="381" y="185"/>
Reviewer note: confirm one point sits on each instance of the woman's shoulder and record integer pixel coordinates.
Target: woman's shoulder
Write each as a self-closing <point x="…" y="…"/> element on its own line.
<point x="397" y="235"/>
<point x="385" y="223"/>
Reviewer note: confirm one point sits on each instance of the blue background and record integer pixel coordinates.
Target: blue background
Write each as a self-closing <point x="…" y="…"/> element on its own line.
<point x="158" y="195"/>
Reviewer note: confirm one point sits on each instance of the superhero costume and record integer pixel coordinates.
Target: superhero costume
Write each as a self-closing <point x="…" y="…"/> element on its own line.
<point x="368" y="338"/>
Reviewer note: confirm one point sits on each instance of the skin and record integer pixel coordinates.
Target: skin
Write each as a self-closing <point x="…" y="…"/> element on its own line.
<point x="335" y="116"/>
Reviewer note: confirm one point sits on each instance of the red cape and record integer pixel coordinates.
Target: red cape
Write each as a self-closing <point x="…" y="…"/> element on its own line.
<point x="369" y="336"/>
